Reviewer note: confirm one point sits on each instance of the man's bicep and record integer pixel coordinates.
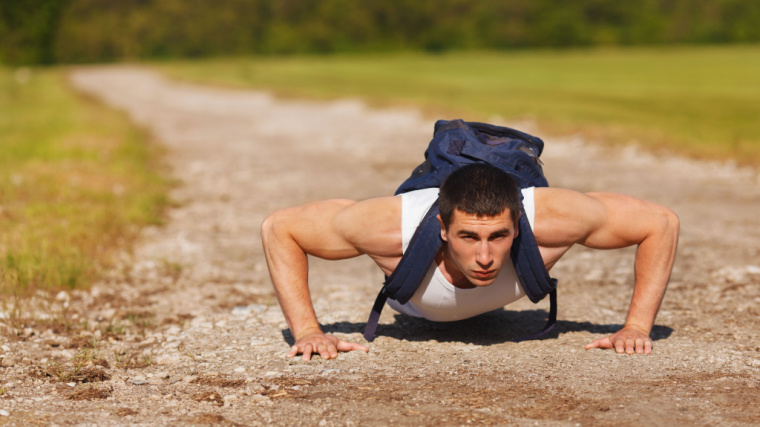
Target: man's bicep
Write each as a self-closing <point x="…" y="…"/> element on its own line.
<point x="596" y="220"/>
<point x="311" y="228"/>
<point x="627" y="221"/>
<point x="565" y="217"/>
<point x="372" y="226"/>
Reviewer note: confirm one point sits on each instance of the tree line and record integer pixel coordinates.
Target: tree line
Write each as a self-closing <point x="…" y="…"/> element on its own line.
<point x="76" y="31"/>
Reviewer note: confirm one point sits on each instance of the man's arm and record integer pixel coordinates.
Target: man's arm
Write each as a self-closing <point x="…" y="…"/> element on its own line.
<point x="333" y="230"/>
<point x="610" y="221"/>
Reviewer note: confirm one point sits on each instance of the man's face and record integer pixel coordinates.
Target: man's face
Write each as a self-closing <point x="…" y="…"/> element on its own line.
<point x="478" y="246"/>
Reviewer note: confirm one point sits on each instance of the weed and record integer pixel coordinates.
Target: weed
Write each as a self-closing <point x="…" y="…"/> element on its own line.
<point x="67" y="373"/>
<point x="76" y="182"/>
<point x="212" y="397"/>
<point x="134" y="361"/>
<point x="90" y="393"/>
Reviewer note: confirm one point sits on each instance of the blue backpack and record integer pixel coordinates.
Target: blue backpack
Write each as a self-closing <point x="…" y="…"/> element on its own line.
<point x="457" y="143"/>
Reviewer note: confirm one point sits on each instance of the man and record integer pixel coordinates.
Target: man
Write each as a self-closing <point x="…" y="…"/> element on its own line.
<point x="473" y="273"/>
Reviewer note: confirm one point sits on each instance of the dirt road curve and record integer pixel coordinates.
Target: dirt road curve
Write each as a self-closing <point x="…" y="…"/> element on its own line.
<point x="188" y="331"/>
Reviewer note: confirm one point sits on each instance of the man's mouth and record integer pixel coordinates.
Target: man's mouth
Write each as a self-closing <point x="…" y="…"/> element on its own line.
<point x="483" y="273"/>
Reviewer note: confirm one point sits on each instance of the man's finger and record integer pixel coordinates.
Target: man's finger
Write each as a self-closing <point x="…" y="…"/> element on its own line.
<point x="349" y="346"/>
<point x="333" y="350"/>
<point x="293" y="351"/>
<point x="639" y="346"/>
<point x="647" y="346"/>
<point x="600" y="343"/>
<point x="324" y="352"/>
<point x="630" y="346"/>
<point x="619" y="345"/>
<point x="307" y="349"/>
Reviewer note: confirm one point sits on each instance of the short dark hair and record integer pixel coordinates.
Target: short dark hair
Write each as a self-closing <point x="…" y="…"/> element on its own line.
<point x="478" y="189"/>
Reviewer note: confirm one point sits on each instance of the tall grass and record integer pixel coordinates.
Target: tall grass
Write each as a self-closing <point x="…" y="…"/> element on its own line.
<point x="699" y="101"/>
<point x="77" y="180"/>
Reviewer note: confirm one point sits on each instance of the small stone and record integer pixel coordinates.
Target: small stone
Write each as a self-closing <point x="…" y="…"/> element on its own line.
<point x="190" y="378"/>
<point x="241" y="310"/>
<point x="323" y="423"/>
<point x="229" y="399"/>
<point x="261" y="400"/>
<point x="162" y="375"/>
<point x="8" y="362"/>
<point x="139" y="382"/>
<point x="71" y="384"/>
<point x="4" y="413"/>
<point x="240" y="369"/>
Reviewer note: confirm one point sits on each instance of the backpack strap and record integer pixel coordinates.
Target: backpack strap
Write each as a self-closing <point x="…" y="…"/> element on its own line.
<point x="408" y="274"/>
<point x="531" y="270"/>
<point x="528" y="262"/>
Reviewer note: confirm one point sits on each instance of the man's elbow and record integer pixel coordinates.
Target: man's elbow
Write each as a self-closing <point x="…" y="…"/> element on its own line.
<point x="270" y="227"/>
<point x="670" y="224"/>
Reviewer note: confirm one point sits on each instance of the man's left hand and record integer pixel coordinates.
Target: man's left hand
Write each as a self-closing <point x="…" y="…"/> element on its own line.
<point x="627" y="340"/>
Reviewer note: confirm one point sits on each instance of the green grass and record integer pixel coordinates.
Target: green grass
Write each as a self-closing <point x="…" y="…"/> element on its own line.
<point x="77" y="181"/>
<point x="698" y="101"/>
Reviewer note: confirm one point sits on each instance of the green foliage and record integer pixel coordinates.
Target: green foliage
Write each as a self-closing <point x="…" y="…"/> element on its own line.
<point x="698" y="101"/>
<point x="76" y="182"/>
<point x="43" y="31"/>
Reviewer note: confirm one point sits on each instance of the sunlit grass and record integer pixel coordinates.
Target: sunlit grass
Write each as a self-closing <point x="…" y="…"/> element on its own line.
<point x="77" y="181"/>
<point x="699" y="101"/>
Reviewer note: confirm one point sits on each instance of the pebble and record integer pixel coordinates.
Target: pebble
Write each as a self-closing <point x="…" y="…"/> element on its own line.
<point x="240" y="369"/>
<point x="139" y="382"/>
<point x="5" y="413"/>
<point x="261" y="400"/>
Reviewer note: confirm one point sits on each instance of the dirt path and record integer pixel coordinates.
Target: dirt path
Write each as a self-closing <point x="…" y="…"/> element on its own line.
<point x="188" y="332"/>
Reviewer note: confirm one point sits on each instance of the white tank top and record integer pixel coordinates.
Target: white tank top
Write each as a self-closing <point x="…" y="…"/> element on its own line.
<point x="437" y="299"/>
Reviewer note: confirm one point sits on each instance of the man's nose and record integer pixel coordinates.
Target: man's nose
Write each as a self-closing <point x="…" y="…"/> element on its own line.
<point x="484" y="256"/>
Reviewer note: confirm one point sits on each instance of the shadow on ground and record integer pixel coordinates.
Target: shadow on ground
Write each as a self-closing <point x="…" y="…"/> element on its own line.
<point x="491" y="328"/>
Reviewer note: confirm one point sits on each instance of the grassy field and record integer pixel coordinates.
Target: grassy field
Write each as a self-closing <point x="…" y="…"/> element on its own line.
<point x="77" y="181"/>
<point x="698" y="101"/>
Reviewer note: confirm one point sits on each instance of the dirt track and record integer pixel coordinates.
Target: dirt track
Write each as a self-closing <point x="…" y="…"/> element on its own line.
<point x="191" y="334"/>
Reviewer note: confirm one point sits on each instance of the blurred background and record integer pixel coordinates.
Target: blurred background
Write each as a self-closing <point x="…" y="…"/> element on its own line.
<point x="77" y="180"/>
<point x="74" y="31"/>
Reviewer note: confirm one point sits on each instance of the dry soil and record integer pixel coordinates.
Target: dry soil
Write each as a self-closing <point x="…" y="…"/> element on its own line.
<point x="187" y="330"/>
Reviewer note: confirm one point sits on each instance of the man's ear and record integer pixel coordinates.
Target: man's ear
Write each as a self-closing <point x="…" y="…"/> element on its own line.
<point x="517" y="224"/>
<point x="443" y="229"/>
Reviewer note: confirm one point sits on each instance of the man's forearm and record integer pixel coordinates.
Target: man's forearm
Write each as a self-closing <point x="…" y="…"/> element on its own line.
<point x="654" y="262"/>
<point x="288" y="268"/>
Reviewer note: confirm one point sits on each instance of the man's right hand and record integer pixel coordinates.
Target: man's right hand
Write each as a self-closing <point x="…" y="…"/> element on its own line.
<point x="327" y="346"/>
